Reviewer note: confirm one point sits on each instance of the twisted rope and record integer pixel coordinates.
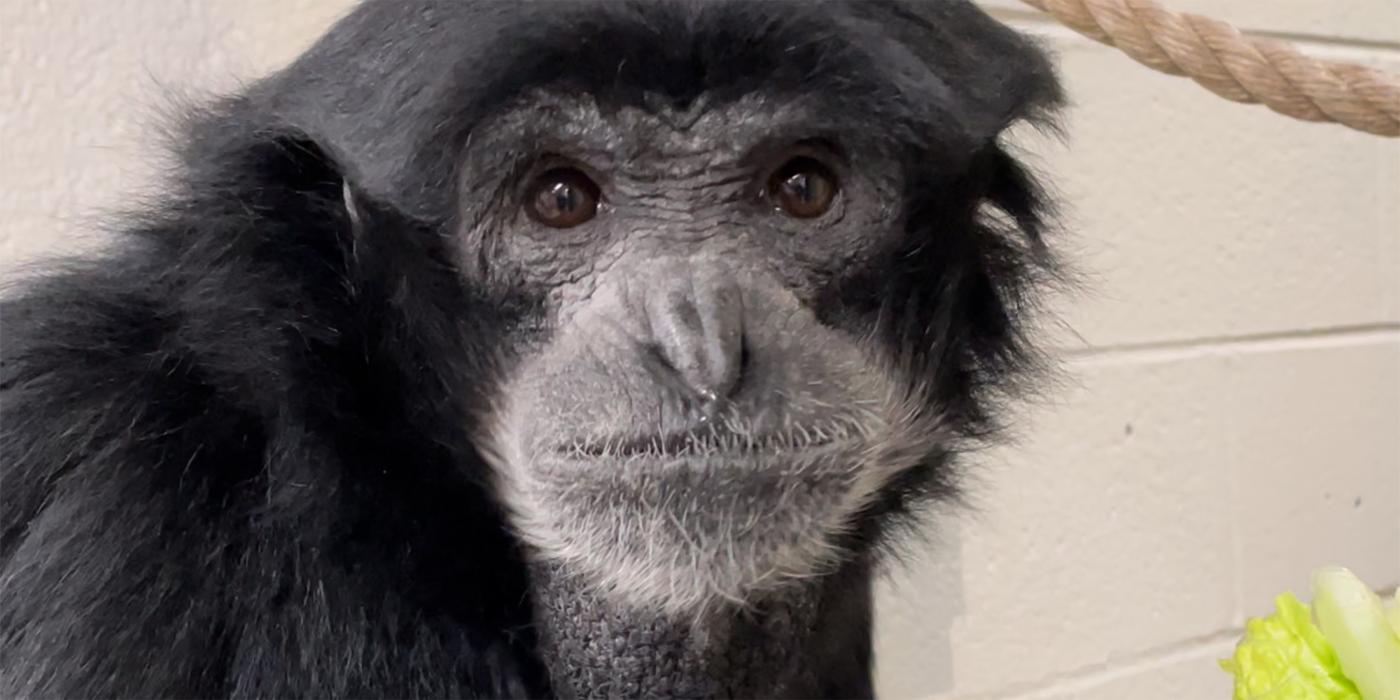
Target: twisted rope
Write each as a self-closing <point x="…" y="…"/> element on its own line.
<point x="1238" y="67"/>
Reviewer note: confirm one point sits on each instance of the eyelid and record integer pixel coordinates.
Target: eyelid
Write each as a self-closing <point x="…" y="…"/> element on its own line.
<point x="820" y="148"/>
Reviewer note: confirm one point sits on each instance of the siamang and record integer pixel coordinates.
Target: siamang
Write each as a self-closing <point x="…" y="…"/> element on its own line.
<point x="522" y="349"/>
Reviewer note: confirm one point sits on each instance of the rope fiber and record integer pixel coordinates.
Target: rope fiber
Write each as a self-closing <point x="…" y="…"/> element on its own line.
<point x="1235" y="66"/>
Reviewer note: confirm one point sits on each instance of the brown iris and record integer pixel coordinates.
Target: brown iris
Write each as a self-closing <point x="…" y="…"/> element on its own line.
<point x="562" y="198"/>
<point x="804" y="188"/>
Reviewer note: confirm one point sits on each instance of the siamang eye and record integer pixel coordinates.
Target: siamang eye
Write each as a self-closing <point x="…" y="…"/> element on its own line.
<point x="562" y="198"/>
<point x="804" y="188"/>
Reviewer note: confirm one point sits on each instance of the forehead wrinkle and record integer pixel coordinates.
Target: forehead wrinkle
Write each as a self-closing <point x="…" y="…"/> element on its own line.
<point x="544" y="121"/>
<point x="645" y="143"/>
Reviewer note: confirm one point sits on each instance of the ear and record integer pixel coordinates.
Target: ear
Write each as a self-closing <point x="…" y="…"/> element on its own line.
<point x="273" y="194"/>
<point x="994" y="75"/>
<point x="271" y="168"/>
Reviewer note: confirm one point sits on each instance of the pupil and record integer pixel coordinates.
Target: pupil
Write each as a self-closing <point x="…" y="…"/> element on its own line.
<point x="565" y="198"/>
<point x="800" y="186"/>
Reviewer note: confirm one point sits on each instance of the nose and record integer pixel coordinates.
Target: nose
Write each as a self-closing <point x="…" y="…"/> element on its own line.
<point x="697" y="322"/>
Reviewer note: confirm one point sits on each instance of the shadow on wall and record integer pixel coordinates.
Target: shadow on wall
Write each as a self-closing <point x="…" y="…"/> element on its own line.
<point x="917" y="601"/>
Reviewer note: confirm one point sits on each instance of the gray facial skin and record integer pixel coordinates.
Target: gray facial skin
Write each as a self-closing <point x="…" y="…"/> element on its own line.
<point x="683" y="429"/>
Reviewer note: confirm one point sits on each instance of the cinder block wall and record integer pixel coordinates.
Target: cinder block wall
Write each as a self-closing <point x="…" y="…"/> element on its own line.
<point x="1229" y="414"/>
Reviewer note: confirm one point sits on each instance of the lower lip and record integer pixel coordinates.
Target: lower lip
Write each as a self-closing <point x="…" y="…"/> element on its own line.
<point x="760" y="449"/>
<point x="804" y="456"/>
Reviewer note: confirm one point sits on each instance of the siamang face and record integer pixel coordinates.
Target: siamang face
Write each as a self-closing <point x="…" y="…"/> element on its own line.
<point x="752" y="298"/>
<point x="691" y="412"/>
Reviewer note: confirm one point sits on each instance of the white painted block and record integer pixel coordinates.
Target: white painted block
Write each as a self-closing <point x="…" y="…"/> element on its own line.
<point x="1316" y="448"/>
<point x="1192" y="674"/>
<point x="1192" y="217"/>
<point x="1104" y="536"/>
<point x="85" y="86"/>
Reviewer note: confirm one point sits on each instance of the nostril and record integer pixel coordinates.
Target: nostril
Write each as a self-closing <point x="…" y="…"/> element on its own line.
<point x="716" y="396"/>
<point x="729" y="363"/>
<point x="745" y="361"/>
<point x="725" y="351"/>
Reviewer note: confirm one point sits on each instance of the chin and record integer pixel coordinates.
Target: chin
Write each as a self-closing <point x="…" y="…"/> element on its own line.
<point x="723" y="515"/>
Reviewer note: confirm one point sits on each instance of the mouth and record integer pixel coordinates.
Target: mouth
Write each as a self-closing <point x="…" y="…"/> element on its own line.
<point x="706" y="443"/>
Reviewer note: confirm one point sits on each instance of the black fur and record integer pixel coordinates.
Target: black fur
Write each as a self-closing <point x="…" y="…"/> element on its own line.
<point x="237" y="453"/>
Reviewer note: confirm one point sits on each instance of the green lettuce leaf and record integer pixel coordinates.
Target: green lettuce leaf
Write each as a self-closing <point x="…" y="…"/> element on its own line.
<point x="1285" y="657"/>
<point x="1353" y="619"/>
<point x="1392" y="612"/>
